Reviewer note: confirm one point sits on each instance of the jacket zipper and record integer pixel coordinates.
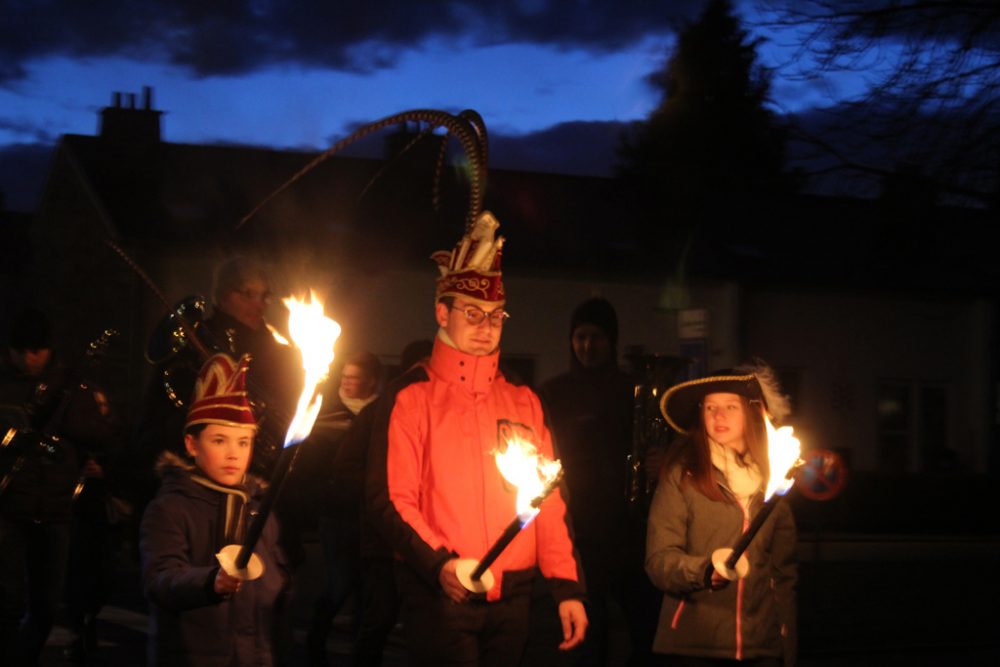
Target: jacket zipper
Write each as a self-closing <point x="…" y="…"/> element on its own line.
<point x="677" y="616"/>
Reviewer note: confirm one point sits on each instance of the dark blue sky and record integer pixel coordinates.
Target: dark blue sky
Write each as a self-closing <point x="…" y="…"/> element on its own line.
<point x="302" y="74"/>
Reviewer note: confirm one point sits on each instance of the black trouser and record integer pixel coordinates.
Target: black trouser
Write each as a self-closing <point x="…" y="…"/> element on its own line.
<point x="35" y="554"/>
<point x="442" y="633"/>
<point x="379" y="609"/>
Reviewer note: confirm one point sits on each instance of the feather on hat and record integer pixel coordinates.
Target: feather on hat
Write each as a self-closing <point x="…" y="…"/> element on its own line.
<point x="472" y="268"/>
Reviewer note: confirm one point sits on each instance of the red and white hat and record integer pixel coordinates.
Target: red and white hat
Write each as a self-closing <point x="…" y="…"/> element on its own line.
<point x="472" y="269"/>
<point x="220" y="395"/>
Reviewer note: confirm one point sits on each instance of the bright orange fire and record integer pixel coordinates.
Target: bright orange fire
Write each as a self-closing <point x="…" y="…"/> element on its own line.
<point x="783" y="450"/>
<point x="314" y="334"/>
<point x="523" y="466"/>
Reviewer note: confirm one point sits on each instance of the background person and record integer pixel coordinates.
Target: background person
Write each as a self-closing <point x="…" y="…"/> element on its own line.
<point x="590" y="408"/>
<point x="58" y="421"/>
<point x="339" y="520"/>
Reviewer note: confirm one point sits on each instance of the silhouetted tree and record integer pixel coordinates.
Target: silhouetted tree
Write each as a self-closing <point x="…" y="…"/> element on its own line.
<point x="933" y="96"/>
<point x="711" y="147"/>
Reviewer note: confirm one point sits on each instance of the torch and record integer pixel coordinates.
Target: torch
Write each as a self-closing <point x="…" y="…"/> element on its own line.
<point x="535" y="477"/>
<point x="783" y="451"/>
<point x="314" y="335"/>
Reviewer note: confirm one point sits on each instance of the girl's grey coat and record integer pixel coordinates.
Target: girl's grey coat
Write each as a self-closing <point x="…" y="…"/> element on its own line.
<point x="750" y="618"/>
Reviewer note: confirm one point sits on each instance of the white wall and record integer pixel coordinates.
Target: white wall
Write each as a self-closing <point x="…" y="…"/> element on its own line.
<point x="844" y="345"/>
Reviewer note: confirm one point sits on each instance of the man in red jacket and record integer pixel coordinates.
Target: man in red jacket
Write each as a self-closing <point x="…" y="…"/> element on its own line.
<point x="435" y="489"/>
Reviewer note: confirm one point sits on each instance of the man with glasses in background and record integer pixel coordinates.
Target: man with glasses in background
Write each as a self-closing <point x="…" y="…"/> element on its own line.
<point x="236" y="326"/>
<point x="436" y="493"/>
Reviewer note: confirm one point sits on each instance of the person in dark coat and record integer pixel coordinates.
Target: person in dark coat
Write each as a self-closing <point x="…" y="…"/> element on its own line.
<point x="339" y="496"/>
<point x="50" y="422"/>
<point x="590" y="408"/>
<point x="199" y="614"/>
<point x="378" y="599"/>
<point x="236" y="326"/>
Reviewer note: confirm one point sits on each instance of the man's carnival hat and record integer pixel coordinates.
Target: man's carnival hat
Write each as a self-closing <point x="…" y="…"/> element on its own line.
<point x="472" y="269"/>
<point x="220" y="395"/>
<point x="681" y="404"/>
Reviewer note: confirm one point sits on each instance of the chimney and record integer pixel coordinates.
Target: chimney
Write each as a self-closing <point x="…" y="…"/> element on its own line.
<point x="131" y="126"/>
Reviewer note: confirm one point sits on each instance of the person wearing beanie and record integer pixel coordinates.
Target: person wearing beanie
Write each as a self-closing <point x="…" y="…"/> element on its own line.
<point x="200" y="615"/>
<point x="590" y="410"/>
<point x="436" y="493"/>
<point x="593" y="334"/>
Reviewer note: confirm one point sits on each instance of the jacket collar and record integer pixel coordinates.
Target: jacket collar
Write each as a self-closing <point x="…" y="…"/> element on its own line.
<point x="473" y="373"/>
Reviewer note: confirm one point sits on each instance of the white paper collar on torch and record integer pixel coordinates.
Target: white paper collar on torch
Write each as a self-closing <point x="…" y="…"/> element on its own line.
<point x="783" y="450"/>
<point x="314" y="335"/>
<point x="522" y="465"/>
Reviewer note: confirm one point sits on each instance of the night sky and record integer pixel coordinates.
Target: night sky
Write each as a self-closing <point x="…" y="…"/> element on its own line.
<point x="553" y="80"/>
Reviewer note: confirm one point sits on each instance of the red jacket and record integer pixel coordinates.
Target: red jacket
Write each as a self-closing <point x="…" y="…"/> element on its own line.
<point x="435" y="488"/>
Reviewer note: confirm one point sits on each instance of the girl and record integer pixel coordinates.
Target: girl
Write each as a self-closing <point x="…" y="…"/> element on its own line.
<point x="711" y="486"/>
<point x="200" y="615"/>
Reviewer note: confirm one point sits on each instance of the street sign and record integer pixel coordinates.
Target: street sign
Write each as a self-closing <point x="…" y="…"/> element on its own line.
<point x="823" y="476"/>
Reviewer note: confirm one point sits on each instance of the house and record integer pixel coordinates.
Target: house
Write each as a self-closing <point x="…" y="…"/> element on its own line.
<point x="881" y="319"/>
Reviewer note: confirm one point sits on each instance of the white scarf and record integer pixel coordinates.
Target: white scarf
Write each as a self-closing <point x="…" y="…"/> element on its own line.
<point x="742" y="475"/>
<point x="355" y="405"/>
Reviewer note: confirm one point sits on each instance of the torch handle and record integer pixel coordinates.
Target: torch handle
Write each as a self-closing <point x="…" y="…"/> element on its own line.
<point x="508" y="535"/>
<point x="281" y="470"/>
<point x="748" y="535"/>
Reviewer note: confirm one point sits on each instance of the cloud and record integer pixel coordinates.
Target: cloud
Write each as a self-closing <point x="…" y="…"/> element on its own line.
<point x="30" y="129"/>
<point x="580" y="147"/>
<point x="210" y="38"/>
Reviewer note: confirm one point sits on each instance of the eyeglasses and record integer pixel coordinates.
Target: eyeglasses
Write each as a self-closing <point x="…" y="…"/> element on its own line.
<point x="475" y="316"/>
<point x="255" y="295"/>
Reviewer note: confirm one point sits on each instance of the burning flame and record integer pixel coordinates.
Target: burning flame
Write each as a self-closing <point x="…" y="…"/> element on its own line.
<point x="277" y="334"/>
<point x="783" y="451"/>
<point x="532" y="474"/>
<point x="314" y="334"/>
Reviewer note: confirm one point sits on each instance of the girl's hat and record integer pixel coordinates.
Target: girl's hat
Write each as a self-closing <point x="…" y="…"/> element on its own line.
<point x="220" y="395"/>
<point x="681" y="403"/>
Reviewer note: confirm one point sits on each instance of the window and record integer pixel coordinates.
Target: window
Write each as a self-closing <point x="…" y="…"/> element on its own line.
<point x="913" y="427"/>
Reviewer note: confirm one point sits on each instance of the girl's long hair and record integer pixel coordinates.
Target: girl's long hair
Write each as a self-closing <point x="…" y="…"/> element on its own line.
<point x="693" y="454"/>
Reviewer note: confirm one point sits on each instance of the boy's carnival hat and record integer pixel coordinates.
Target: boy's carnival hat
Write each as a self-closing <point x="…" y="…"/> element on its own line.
<point x="220" y="395"/>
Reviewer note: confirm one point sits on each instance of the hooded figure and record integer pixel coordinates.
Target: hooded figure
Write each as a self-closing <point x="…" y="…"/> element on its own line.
<point x="590" y="411"/>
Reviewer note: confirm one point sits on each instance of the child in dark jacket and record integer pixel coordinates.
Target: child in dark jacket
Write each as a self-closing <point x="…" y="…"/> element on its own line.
<point x="200" y="615"/>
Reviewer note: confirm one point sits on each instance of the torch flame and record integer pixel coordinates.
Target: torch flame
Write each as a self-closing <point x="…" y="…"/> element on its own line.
<point x="314" y="334"/>
<point x="277" y="334"/>
<point x="783" y="451"/>
<point x="532" y="473"/>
